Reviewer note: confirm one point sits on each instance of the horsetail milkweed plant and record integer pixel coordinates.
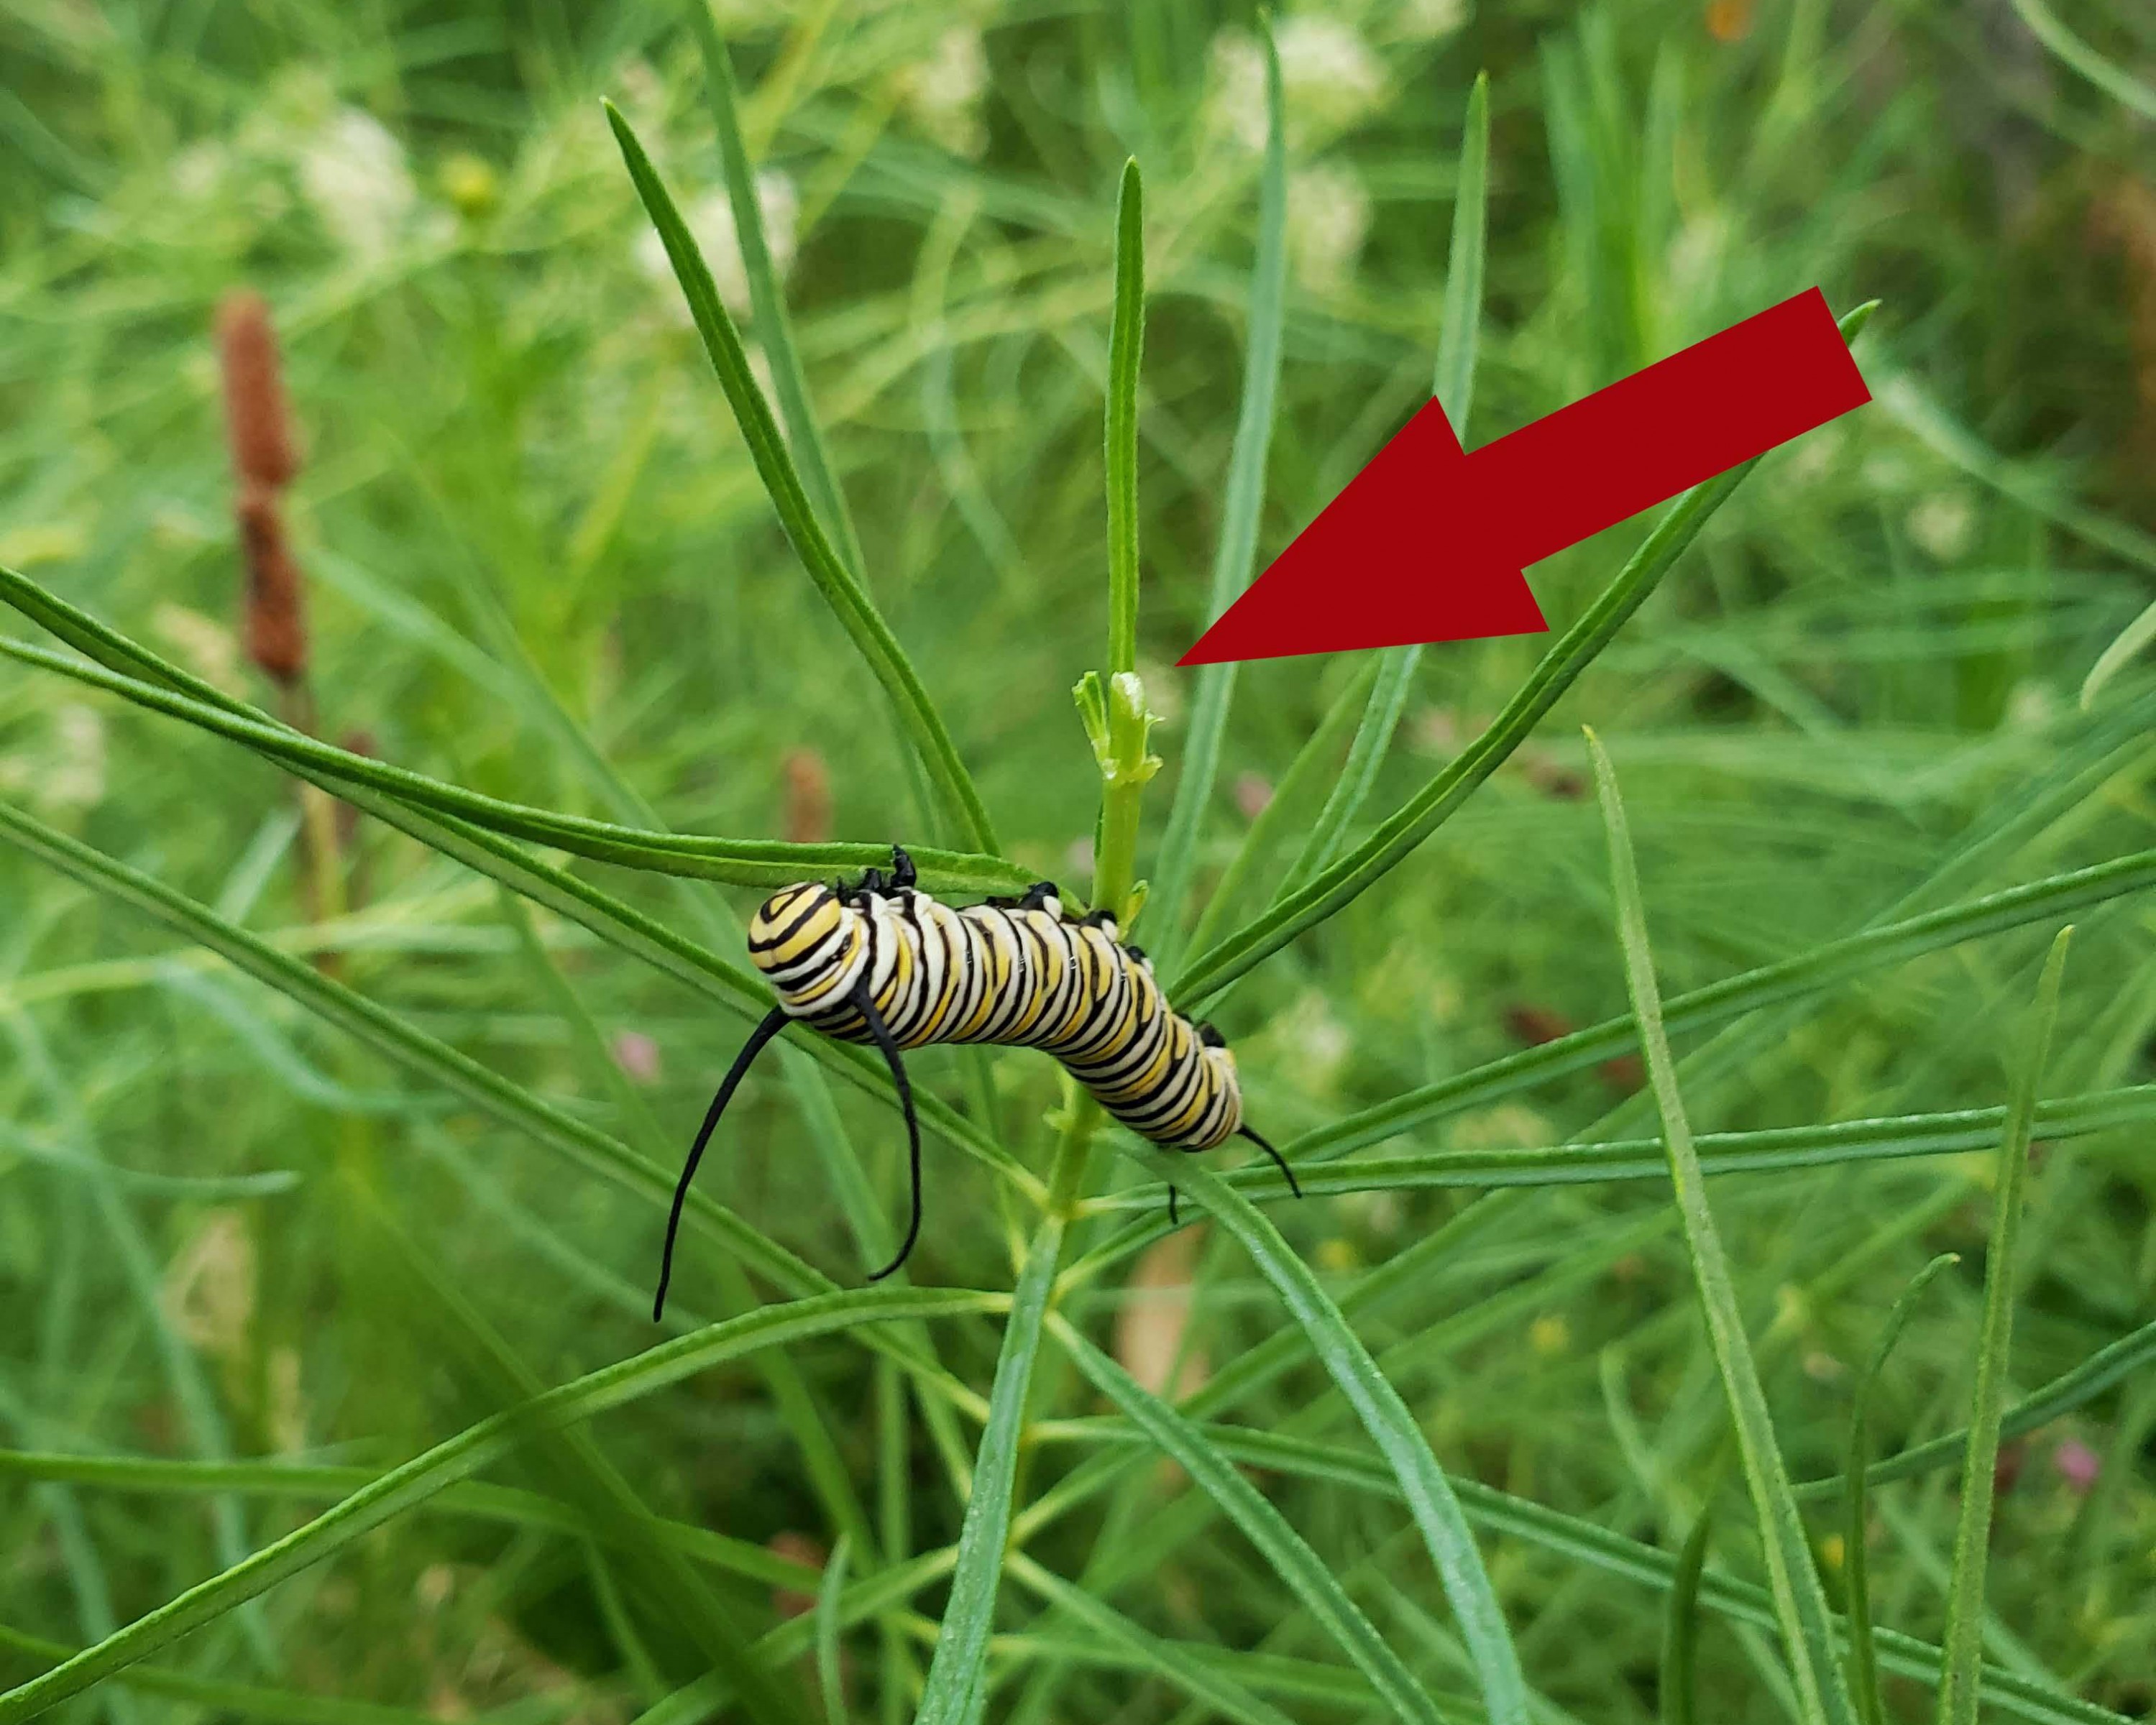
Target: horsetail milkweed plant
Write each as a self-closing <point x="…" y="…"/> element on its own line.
<point x="1542" y="1389"/>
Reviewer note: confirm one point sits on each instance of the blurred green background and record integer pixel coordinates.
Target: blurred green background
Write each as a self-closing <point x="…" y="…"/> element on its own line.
<point x="535" y="553"/>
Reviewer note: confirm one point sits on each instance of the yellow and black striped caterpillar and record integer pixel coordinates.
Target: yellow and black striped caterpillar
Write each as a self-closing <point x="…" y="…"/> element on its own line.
<point x="882" y="963"/>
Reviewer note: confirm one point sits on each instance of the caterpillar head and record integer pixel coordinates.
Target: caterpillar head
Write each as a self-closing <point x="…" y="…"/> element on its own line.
<point x="809" y="945"/>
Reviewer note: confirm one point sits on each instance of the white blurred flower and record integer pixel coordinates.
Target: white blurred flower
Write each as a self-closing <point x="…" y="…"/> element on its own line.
<point x="1330" y="80"/>
<point x="942" y="93"/>
<point x="72" y="775"/>
<point x="1313" y="1040"/>
<point x="354" y="174"/>
<point x="1426" y="20"/>
<point x="207" y="647"/>
<point x="1943" y="523"/>
<point x="1813" y="454"/>
<point x="208" y="1293"/>
<point x="2031" y="705"/>
<point x="1887" y="470"/>
<point x="1509" y="1126"/>
<point x="1329" y="217"/>
<point x="711" y="220"/>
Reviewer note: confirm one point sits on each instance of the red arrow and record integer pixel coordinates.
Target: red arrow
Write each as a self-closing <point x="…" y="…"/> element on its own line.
<point x="1427" y="542"/>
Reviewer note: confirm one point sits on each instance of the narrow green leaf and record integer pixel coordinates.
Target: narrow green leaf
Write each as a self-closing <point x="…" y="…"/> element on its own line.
<point x="1307" y="1574"/>
<point x="1149" y="1653"/>
<point x="1126" y="349"/>
<point x="1959" y="1695"/>
<point x="2113" y="80"/>
<point x="1774" y="1150"/>
<point x="1578" y="1541"/>
<point x="1430" y="808"/>
<point x="1679" y="1685"/>
<point x="774" y="330"/>
<point x="1351" y="789"/>
<point x="1823" y="967"/>
<point x="1453" y="383"/>
<point x="473" y="1449"/>
<point x="612" y="921"/>
<point x="829" y="1677"/>
<point x="1801" y="1606"/>
<point x="244" y="1700"/>
<point x="848" y="599"/>
<point x="1315" y="765"/>
<point x="959" y="1665"/>
<point x="1863" y="1655"/>
<point x="584" y="1145"/>
<point x="1458" y="337"/>
<point x="1428" y="1492"/>
<point x="2107" y="1366"/>
<point x="2131" y="641"/>
<point x="1234" y="553"/>
<point x="741" y="862"/>
<point x="507" y="1504"/>
<point x="1907" y="401"/>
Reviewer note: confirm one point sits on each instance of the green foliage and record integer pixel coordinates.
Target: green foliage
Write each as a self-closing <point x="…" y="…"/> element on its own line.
<point x="327" y="1145"/>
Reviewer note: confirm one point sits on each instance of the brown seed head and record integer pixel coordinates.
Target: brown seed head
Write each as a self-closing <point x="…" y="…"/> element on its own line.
<point x="277" y="622"/>
<point x="808" y="816"/>
<point x="256" y="418"/>
<point x="1537" y="1025"/>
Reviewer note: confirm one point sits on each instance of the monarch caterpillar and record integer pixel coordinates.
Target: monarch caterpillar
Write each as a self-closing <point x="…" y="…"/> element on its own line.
<point x="882" y="963"/>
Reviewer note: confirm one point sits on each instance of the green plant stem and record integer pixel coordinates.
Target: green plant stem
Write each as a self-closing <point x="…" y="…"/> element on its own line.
<point x="1800" y="1605"/>
<point x="1126" y="349"/>
<point x="1242" y="502"/>
<point x="848" y="599"/>
<point x="1400" y="835"/>
<point x="1863" y="1652"/>
<point x="1959" y="1694"/>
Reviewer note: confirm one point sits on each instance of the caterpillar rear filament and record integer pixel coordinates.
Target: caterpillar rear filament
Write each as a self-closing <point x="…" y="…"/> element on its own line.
<point x="884" y="963"/>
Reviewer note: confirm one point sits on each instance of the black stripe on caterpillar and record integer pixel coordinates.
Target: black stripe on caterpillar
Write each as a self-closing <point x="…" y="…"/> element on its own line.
<point x="882" y="963"/>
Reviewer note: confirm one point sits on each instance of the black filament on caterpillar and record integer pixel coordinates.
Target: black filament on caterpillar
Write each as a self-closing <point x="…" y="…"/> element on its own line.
<point x="883" y="963"/>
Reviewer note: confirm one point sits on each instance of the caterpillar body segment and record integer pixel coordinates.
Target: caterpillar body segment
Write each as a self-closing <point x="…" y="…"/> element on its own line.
<point x="885" y="964"/>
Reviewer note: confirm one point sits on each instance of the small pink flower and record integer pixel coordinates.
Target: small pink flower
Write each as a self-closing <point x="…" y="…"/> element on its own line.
<point x="1252" y="794"/>
<point x="637" y="1054"/>
<point x="2077" y="1464"/>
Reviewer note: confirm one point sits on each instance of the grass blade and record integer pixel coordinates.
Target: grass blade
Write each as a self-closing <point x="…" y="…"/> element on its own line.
<point x="1582" y="1541"/>
<point x="1823" y="967"/>
<point x="619" y="924"/>
<point x="1773" y="1150"/>
<point x="466" y="1454"/>
<point x="848" y="599"/>
<point x="1430" y="808"/>
<point x="1453" y="383"/>
<point x="2114" y="80"/>
<point x="2114" y="659"/>
<point x="584" y="1145"/>
<point x="741" y="862"/>
<point x="1306" y="1574"/>
<point x="1800" y="1607"/>
<point x="1316" y="762"/>
<point x="1458" y="338"/>
<point x="2107" y="1366"/>
<point x="1234" y="554"/>
<point x="1373" y="736"/>
<point x="1958" y="1696"/>
<point x="1679" y="1685"/>
<point x="1150" y="1653"/>
<point x="829" y="1676"/>
<point x="1428" y="1493"/>
<point x="774" y="330"/>
<point x="958" y="1669"/>
<point x="1126" y="350"/>
<point x="1902" y="396"/>
<point x="1863" y="1655"/>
